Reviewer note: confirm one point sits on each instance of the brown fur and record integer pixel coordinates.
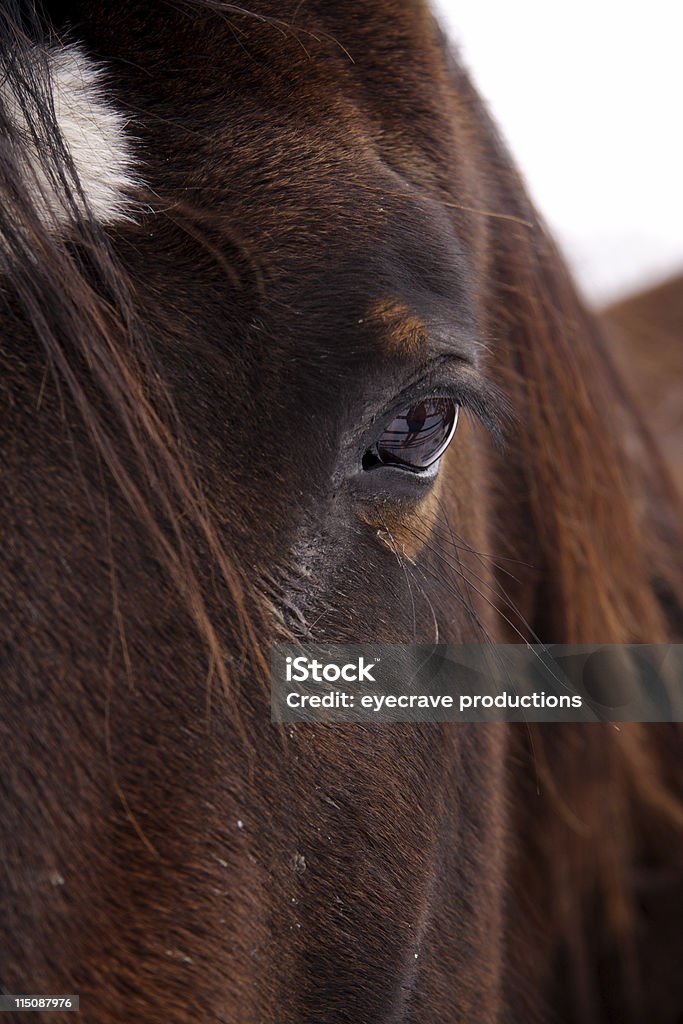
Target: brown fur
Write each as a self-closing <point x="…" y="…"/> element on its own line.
<point x="185" y="398"/>
<point x="647" y="340"/>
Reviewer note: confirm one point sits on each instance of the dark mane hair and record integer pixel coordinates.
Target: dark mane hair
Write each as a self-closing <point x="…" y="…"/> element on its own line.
<point x="602" y="519"/>
<point x="74" y="296"/>
<point x="597" y="524"/>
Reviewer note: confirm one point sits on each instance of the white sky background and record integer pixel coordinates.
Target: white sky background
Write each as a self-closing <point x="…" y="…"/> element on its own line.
<point x="589" y="95"/>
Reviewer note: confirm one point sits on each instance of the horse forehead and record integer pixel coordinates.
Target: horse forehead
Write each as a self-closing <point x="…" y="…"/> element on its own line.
<point x="299" y="153"/>
<point x="368" y="255"/>
<point x="353" y="228"/>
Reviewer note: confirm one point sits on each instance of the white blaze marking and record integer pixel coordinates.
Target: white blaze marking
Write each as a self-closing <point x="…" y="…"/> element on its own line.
<point x="94" y="132"/>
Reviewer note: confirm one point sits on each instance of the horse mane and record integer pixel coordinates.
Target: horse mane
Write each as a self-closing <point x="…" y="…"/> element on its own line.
<point x="67" y="290"/>
<point x="596" y="803"/>
<point x="600" y="526"/>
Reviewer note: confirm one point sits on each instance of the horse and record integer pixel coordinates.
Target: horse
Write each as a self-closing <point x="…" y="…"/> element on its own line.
<point x="645" y="331"/>
<point x="255" y="264"/>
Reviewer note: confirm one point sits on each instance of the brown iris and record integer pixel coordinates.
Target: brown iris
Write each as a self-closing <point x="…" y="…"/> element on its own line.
<point x="417" y="437"/>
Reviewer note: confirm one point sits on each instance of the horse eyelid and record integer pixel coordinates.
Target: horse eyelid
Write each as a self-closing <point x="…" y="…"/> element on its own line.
<point x="492" y="408"/>
<point x="472" y="391"/>
<point x="486" y="401"/>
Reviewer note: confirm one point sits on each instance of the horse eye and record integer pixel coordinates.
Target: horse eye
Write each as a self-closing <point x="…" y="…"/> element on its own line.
<point x="416" y="438"/>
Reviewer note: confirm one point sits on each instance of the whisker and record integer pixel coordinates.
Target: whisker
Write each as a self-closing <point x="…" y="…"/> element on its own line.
<point x="430" y="540"/>
<point x="405" y="572"/>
